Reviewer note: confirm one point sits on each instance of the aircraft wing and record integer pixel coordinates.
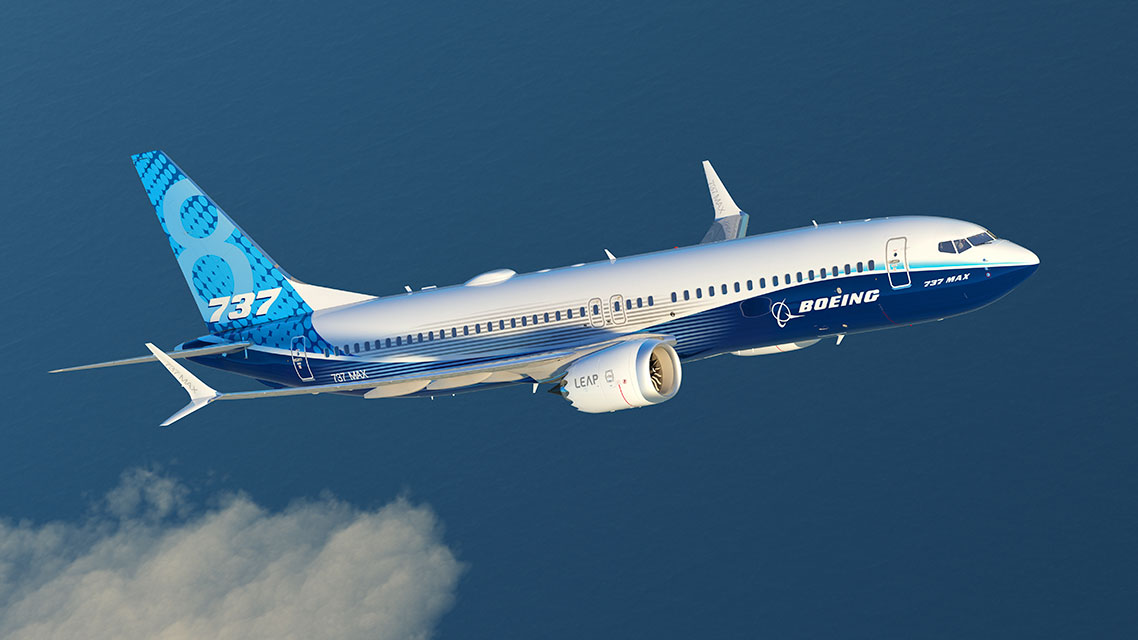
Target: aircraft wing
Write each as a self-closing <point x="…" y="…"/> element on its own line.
<point x="539" y="367"/>
<point x="730" y="221"/>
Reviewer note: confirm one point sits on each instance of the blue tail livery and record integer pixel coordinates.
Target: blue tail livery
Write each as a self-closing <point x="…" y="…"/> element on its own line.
<point x="235" y="283"/>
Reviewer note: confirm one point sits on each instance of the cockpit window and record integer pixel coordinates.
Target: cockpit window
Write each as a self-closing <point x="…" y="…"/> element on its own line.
<point x="981" y="238"/>
<point x="964" y="244"/>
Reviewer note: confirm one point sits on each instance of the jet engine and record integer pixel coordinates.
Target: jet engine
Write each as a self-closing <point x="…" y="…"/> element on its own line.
<point x="626" y="376"/>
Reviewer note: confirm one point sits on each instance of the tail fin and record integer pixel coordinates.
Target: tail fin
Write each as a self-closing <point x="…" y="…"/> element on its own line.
<point x="234" y="282"/>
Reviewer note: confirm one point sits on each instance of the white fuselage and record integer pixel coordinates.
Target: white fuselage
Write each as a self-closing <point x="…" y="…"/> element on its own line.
<point x="571" y="305"/>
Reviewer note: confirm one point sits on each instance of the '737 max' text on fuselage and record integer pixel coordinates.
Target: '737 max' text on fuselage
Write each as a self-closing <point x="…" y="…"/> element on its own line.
<point x="607" y="335"/>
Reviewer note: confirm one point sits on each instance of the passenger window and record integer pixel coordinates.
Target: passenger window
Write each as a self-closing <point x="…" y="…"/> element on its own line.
<point x="822" y="272"/>
<point x="388" y="342"/>
<point x="835" y="272"/>
<point x="616" y="305"/>
<point x="711" y="291"/>
<point x="686" y="296"/>
<point x="535" y="319"/>
<point x="847" y="268"/>
<point x="523" y="321"/>
<point x="557" y="316"/>
<point x="357" y="348"/>
<point x="737" y="287"/>
<point x="649" y="301"/>
<point x="859" y="269"/>
<point x="799" y="276"/>
<point x="547" y="317"/>
<point x="367" y="345"/>
<point x="569" y="314"/>
<point x="430" y="335"/>
<point x="787" y="280"/>
<point x="810" y="274"/>
<point x="596" y="310"/>
<point x="774" y="281"/>
<point x="398" y="341"/>
<point x="871" y="265"/>
<point x="478" y="328"/>
<point x="513" y="323"/>
<point x="453" y="332"/>
<point x="699" y="293"/>
<point x="489" y="326"/>
<point x="582" y="312"/>
<point x="673" y="296"/>
<point x="639" y="303"/>
<point x="725" y="289"/>
<point x="409" y="340"/>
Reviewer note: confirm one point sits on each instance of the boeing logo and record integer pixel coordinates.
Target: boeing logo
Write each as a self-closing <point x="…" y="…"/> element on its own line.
<point x="833" y="302"/>
<point x="782" y="314"/>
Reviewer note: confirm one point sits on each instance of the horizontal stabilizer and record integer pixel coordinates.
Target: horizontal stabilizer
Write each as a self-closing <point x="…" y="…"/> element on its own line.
<point x="187" y="353"/>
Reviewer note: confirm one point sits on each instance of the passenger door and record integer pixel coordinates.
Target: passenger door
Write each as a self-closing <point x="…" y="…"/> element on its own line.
<point x="897" y="263"/>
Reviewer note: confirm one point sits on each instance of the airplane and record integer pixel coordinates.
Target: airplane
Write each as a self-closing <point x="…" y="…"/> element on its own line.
<point x="609" y="335"/>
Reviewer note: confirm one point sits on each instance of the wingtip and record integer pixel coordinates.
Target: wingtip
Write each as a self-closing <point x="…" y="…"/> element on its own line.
<point x="197" y="390"/>
<point x="720" y="199"/>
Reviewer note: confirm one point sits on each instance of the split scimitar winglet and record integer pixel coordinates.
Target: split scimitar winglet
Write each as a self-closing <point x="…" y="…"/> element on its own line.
<point x="201" y="393"/>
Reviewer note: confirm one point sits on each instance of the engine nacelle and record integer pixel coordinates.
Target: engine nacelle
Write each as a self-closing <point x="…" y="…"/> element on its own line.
<point x="627" y="376"/>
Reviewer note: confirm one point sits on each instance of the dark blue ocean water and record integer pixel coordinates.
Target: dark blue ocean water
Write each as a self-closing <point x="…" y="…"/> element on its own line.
<point x="971" y="478"/>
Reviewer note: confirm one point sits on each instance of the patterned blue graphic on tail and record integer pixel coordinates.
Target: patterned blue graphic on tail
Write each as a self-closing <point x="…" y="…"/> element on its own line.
<point x="238" y="288"/>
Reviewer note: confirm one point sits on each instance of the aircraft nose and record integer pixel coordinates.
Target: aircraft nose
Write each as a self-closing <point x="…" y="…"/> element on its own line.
<point x="1026" y="257"/>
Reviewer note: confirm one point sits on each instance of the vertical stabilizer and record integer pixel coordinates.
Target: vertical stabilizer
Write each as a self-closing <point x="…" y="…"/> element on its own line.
<point x="235" y="283"/>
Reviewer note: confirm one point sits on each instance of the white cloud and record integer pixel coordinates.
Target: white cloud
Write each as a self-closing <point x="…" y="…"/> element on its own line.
<point x="147" y="564"/>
